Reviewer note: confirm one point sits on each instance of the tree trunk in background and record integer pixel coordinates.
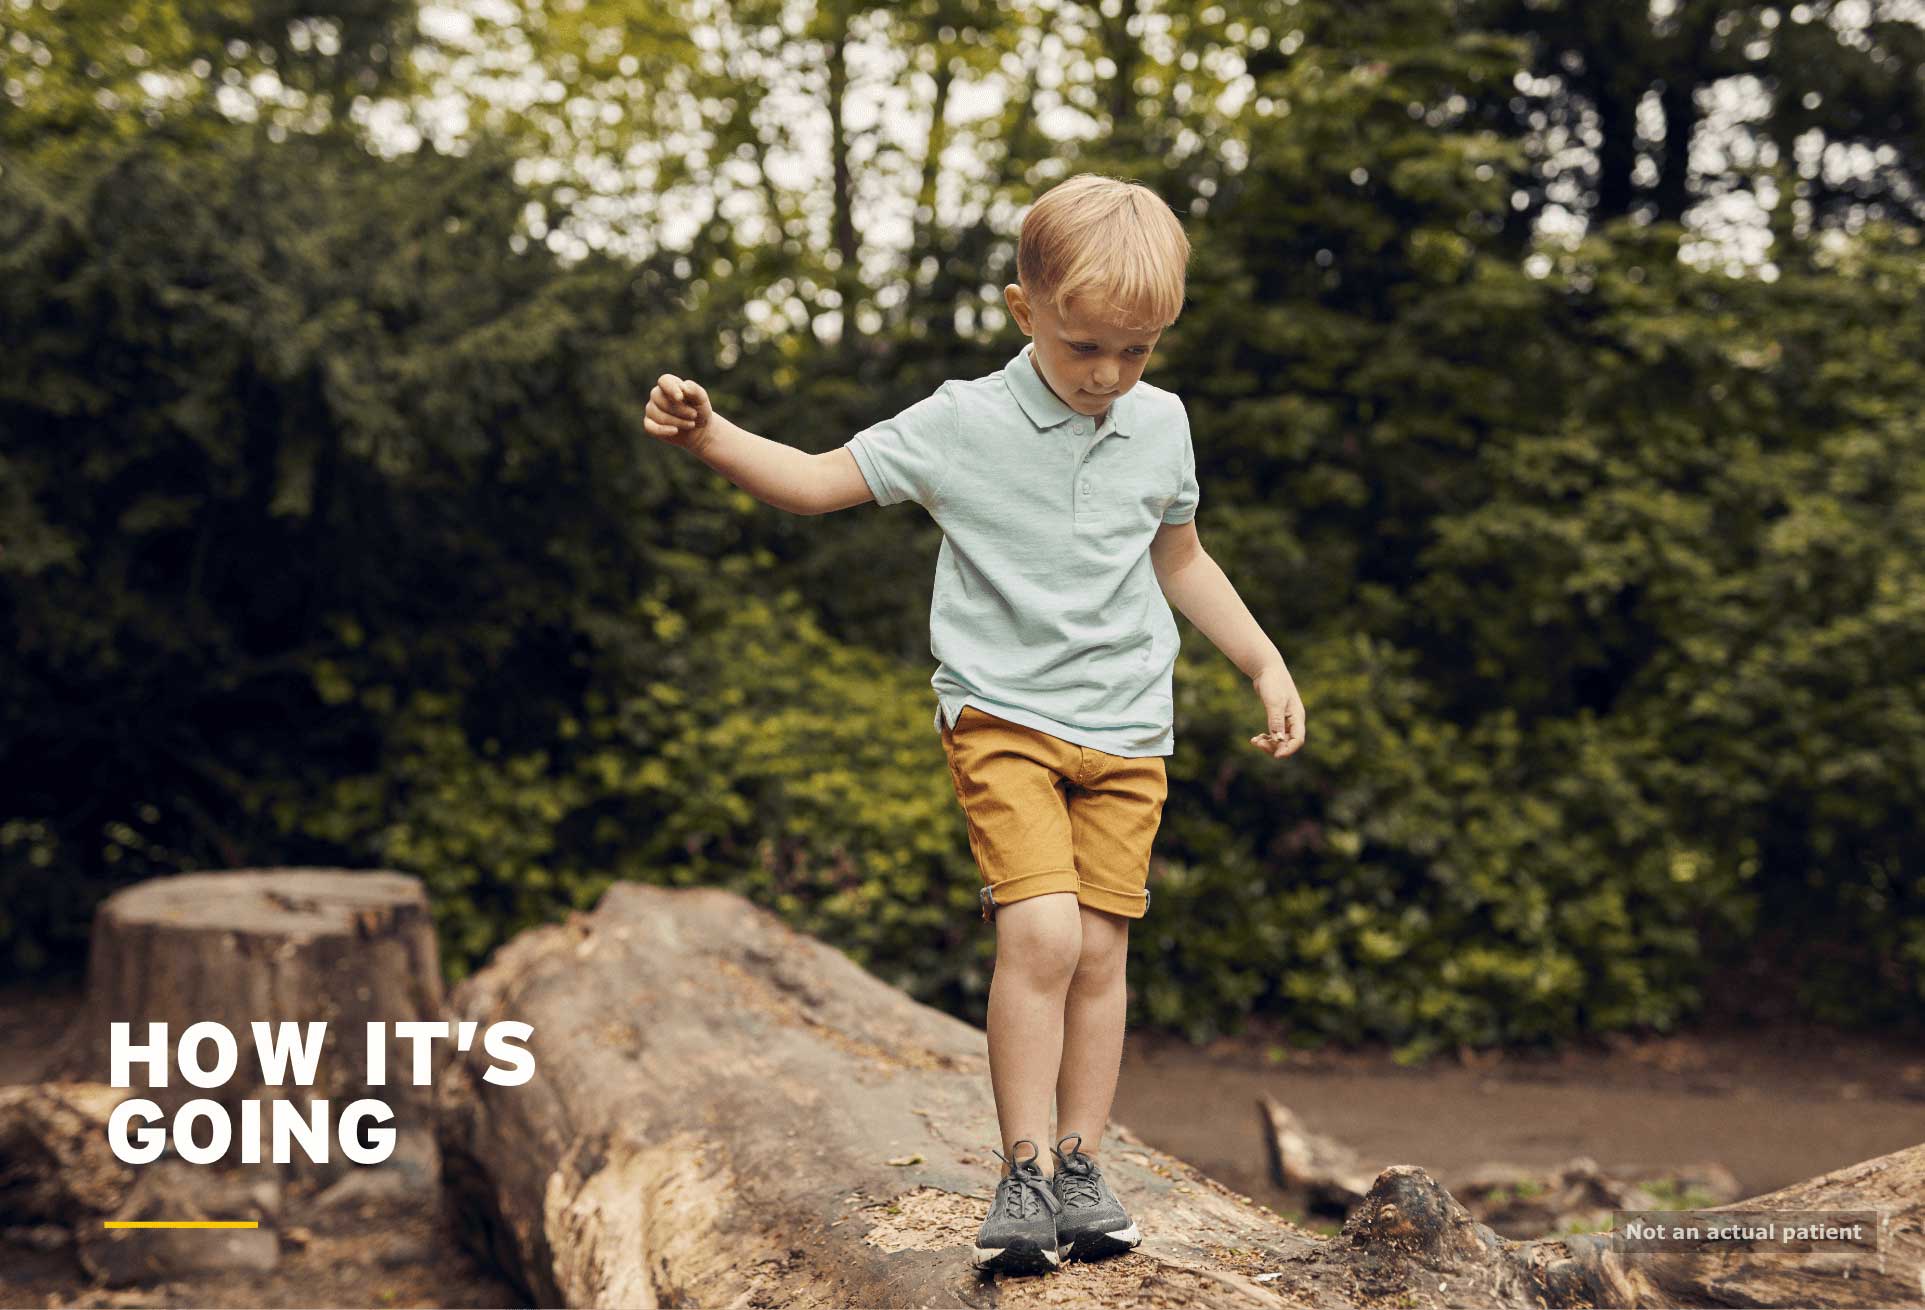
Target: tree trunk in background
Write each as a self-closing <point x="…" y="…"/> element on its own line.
<point x="725" y="1111"/>
<point x="1673" y="191"/>
<point x="284" y="945"/>
<point x="842" y="200"/>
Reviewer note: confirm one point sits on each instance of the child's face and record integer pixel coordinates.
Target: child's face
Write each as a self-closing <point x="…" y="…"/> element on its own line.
<point x="1086" y="359"/>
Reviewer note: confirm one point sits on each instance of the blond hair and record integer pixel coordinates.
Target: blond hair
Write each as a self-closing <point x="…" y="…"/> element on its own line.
<point x="1111" y="242"/>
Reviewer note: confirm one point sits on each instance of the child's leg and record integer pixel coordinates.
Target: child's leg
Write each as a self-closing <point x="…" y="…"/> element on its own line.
<point x="1093" y="1029"/>
<point x="1115" y="810"/>
<point x="1038" y="944"/>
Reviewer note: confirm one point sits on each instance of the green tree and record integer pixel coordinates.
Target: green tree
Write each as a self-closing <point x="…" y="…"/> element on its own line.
<point x="1829" y="77"/>
<point x="271" y="411"/>
<point x="329" y="533"/>
<point x="84" y="77"/>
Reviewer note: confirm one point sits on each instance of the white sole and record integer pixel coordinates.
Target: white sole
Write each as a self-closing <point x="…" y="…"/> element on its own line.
<point x="985" y="1255"/>
<point x="1107" y="1243"/>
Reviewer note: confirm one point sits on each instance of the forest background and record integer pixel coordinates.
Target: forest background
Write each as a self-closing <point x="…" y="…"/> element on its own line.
<point x="1554" y="371"/>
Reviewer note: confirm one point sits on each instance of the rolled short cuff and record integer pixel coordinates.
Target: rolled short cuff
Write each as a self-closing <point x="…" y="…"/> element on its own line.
<point x="1131" y="905"/>
<point x="1023" y="886"/>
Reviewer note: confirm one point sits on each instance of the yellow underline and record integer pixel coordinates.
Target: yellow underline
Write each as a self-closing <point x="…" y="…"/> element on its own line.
<point x="181" y="1223"/>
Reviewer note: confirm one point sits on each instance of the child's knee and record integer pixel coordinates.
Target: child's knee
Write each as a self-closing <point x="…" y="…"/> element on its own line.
<point x="1041" y="937"/>
<point x="1104" y="952"/>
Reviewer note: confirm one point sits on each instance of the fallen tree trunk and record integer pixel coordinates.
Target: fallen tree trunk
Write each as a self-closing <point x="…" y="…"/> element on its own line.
<point x="1891" y="1186"/>
<point x="727" y="1112"/>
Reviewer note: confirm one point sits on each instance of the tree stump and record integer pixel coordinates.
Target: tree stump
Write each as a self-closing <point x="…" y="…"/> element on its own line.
<point x="277" y="945"/>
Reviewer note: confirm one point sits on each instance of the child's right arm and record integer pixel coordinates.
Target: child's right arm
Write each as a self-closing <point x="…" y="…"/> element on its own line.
<point x="678" y="412"/>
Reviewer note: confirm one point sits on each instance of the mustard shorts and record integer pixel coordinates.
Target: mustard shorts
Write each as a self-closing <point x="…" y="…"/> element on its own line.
<point x="1046" y="815"/>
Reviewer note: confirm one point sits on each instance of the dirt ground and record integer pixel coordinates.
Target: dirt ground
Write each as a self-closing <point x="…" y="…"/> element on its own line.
<point x="1774" y="1105"/>
<point x="390" y="1254"/>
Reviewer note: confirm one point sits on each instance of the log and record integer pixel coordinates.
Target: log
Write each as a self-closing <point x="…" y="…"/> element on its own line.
<point x="1515" y="1201"/>
<point x="1332" y="1176"/>
<point x="1891" y="1185"/>
<point x="727" y="1112"/>
<point x="281" y="945"/>
<point x="55" y="1164"/>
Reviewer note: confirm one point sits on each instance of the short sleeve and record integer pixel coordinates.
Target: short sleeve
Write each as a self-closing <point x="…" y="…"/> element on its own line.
<point x="907" y="457"/>
<point x="1182" y="508"/>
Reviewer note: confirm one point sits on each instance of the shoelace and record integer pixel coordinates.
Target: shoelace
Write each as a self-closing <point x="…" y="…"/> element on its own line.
<point x="1021" y="1185"/>
<point x="1078" y="1173"/>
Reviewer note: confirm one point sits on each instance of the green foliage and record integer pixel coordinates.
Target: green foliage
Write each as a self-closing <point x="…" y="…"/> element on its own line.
<point x="1573" y="1227"/>
<point x="1594" y="573"/>
<point x="329" y="534"/>
<point x="1834" y="72"/>
<point x="84" y="78"/>
<point x="1674" y="1194"/>
<point x="1420" y="882"/>
<point x="754" y="755"/>
<point x="262" y="409"/>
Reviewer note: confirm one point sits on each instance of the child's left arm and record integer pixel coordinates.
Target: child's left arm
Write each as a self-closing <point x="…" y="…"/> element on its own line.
<point x="1194" y="583"/>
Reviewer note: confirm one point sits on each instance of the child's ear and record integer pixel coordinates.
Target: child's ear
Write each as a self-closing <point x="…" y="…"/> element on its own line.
<point x="1018" y="305"/>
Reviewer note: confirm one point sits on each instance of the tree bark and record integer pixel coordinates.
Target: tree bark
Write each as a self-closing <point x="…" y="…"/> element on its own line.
<point x="1330" y="1174"/>
<point x="1891" y="1185"/>
<point x="285" y="945"/>
<point x="727" y="1112"/>
<point x="842" y="201"/>
<point x="55" y="1164"/>
<point x="1673" y="191"/>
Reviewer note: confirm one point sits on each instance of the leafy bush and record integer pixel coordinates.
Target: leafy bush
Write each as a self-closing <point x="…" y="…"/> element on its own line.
<point x="753" y="754"/>
<point x="331" y="536"/>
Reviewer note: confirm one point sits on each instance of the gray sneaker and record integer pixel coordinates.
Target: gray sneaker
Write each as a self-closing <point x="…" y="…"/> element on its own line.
<point x="1019" y="1236"/>
<point x="1092" y="1223"/>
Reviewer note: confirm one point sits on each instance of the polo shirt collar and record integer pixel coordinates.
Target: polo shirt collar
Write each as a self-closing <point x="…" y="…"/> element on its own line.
<point x="1044" y="407"/>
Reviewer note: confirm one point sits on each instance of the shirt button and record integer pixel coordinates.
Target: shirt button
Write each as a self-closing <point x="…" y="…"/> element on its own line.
<point x="1086" y="488"/>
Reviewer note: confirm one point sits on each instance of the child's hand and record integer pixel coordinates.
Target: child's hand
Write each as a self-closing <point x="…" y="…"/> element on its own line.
<point x="1284" y="710"/>
<point x="678" y="412"/>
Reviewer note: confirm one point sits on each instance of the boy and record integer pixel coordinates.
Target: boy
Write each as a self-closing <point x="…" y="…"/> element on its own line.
<point x="1066" y="490"/>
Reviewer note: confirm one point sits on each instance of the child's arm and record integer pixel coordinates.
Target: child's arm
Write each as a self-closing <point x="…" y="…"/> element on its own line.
<point x="678" y="412"/>
<point x="1193" y="582"/>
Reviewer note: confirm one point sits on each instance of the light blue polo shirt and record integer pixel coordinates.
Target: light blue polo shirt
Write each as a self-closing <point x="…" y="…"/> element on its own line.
<point x="1046" y="609"/>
